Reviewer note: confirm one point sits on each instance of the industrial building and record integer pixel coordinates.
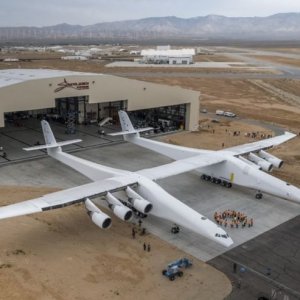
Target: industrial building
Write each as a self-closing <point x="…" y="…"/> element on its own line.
<point x="168" y="56"/>
<point x="84" y="98"/>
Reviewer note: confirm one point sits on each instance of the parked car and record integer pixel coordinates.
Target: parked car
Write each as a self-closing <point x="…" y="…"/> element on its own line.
<point x="229" y="114"/>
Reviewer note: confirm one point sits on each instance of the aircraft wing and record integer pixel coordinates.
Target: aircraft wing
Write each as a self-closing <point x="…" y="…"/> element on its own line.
<point x="181" y="166"/>
<point x="261" y="145"/>
<point x="66" y="197"/>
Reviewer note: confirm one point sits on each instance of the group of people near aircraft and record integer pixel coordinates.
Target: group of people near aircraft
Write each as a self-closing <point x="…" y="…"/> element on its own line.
<point x="233" y="219"/>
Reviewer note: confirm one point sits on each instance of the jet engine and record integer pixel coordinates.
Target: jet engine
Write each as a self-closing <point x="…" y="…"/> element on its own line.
<point x="138" y="202"/>
<point x="120" y="210"/>
<point x="265" y="165"/>
<point x="97" y="216"/>
<point x="276" y="162"/>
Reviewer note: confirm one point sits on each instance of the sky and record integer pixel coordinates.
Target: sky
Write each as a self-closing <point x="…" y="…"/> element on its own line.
<point x="86" y="12"/>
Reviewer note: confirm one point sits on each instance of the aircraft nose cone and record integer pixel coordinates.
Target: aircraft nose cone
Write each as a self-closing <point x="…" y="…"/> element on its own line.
<point x="229" y="242"/>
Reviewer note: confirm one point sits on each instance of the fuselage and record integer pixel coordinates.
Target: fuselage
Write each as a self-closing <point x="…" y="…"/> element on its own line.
<point x="164" y="205"/>
<point x="168" y="207"/>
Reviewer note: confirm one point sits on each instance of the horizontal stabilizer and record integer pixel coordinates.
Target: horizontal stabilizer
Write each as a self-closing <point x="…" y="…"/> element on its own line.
<point x="59" y="144"/>
<point x="126" y="132"/>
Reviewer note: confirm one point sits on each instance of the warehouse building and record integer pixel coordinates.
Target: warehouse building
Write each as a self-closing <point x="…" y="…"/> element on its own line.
<point x="168" y="56"/>
<point x="89" y="97"/>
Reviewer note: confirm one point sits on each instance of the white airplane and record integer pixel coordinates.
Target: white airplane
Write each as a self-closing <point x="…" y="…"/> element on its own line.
<point x="242" y="165"/>
<point x="135" y="188"/>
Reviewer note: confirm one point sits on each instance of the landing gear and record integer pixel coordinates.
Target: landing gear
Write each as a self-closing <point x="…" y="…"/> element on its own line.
<point x="206" y="177"/>
<point x="216" y="180"/>
<point x="175" y="229"/>
<point x="227" y="184"/>
<point x="258" y="195"/>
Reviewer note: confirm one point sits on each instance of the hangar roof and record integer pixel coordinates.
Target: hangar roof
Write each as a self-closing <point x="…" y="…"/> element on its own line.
<point x="14" y="76"/>
<point x="168" y="52"/>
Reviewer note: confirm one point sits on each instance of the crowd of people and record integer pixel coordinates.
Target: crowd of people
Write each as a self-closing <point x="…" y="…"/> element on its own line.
<point x="233" y="219"/>
<point x="258" y="134"/>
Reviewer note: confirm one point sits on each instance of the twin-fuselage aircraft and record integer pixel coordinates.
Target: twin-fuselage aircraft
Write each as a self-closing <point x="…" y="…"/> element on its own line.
<point x="242" y="165"/>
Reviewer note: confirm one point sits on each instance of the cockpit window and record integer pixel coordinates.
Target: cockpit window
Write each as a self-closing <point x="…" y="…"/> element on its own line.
<point x="203" y="218"/>
<point x="225" y="236"/>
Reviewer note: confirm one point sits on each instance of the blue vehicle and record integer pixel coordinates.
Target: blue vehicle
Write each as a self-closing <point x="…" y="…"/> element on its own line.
<point x="181" y="263"/>
<point x="172" y="272"/>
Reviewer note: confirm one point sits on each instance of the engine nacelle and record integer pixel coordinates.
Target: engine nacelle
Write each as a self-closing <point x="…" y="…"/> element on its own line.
<point x="98" y="217"/>
<point x="120" y="210"/>
<point x="141" y="205"/>
<point x="276" y="162"/>
<point x="138" y="202"/>
<point x="250" y="163"/>
<point x="265" y="165"/>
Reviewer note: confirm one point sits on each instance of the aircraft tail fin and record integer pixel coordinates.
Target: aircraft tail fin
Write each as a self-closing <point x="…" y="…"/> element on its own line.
<point x="50" y="139"/>
<point x="48" y="134"/>
<point x="127" y="127"/>
<point x="125" y="121"/>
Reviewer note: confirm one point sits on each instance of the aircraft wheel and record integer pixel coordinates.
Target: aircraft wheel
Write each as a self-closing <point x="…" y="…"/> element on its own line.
<point x="180" y="273"/>
<point x="203" y="177"/>
<point x="172" y="278"/>
<point x="258" y="196"/>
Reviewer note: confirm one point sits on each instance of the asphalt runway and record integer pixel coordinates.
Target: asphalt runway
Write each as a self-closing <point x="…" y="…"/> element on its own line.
<point x="268" y="265"/>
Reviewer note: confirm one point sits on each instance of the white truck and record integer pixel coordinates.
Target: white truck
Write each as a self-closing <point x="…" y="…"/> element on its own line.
<point x="220" y="112"/>
<point x="225" y="113"/>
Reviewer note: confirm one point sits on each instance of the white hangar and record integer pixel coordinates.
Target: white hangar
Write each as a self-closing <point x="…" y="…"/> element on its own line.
<point x="93" y="96"/>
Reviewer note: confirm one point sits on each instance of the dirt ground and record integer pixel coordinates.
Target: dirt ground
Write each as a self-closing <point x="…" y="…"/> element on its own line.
<point x="62" y="255"/>
<point x="212" y="135"/>
<point x="242" y="97"/>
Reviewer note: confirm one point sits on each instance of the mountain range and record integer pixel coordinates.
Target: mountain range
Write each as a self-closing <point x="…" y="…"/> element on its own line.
<point x="283" y="26"/>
